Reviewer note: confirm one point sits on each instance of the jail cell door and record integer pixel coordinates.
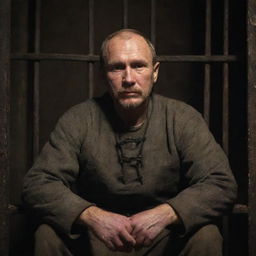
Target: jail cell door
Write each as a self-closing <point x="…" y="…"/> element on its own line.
<point x="55" y="49"/>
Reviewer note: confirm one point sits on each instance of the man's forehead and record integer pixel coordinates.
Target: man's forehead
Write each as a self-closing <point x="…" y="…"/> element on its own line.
<point x="127" y="35"/>
<point x="130" y="39"/>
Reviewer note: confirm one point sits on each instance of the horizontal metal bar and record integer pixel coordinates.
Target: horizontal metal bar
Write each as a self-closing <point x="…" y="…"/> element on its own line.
<point x="54" y="56"/>
<point x="18" y="209"/>
<point x="92" y="58"/>
<point x="15" y="209"/>
<point x="197" y="58"/>
<point x="240" y="208"/>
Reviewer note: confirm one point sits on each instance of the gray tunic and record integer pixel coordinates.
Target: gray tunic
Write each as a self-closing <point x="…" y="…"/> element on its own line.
<point x="182" y="165"/>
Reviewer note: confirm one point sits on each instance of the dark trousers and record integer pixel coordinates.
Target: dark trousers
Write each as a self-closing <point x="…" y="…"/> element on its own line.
<point x="207" y="241"/>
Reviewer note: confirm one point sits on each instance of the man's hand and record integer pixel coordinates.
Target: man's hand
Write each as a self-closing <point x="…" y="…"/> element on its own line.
<point x="148" y="224"/>
<point x="114" y="230"/>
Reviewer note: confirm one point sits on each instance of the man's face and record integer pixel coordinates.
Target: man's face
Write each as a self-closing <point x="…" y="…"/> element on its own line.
<point x="130" y="71"/>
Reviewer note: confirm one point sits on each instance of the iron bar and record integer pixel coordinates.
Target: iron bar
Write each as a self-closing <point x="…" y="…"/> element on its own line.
<point x="5" y="14"/>
<point x="36" y="81"/>
<point x="251" y="110"/>
<point x="95" y="58"/>
<point x="225" y="112"/>
<point x="240" y="208"/>
<point x="207" y="67"/>
<point x="91" y="27"/>
<point x="153" y="22"/>
<point x="125" y="15"/>
<point x="91" y="47"/>
<point x="207" y="93"/>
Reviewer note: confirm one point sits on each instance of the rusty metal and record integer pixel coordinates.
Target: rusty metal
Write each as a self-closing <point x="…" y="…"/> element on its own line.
<point x="15" y="209"/>
<point x="54" y="56"/>
<point x="5" y="10"/>
<point x="153" y="22"/>
<point x="95" y="58"/>
<point x="207" y="93"/>
<point x="197" y="58"/>
<point x="91" y="47"/>
<point x="125" y="13"/>
<point x="207" y="67"/>
<point x="36" y="111"/>
<point x="225" y="112"/>
<point x="251" y="33"/>
<point x="240" y="209"/>
<point x="36" y="81"/>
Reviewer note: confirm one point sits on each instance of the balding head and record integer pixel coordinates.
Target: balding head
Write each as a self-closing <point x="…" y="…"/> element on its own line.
<point x="125" y="34"/>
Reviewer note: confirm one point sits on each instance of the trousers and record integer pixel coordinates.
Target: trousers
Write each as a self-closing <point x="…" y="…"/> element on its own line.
<point x="207" y="241"/>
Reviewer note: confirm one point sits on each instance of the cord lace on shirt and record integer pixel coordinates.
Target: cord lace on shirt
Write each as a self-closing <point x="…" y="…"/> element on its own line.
<point x="135" y="161"/>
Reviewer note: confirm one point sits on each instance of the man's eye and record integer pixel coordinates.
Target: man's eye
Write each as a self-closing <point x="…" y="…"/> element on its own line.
<point x="138" y="66"/>
<point x="116" y="68"/>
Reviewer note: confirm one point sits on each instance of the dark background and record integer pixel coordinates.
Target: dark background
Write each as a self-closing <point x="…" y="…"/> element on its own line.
<point x="180" y="30"/>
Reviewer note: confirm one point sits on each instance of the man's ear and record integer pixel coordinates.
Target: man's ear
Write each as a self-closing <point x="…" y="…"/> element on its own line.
<point x="155" y="71"/>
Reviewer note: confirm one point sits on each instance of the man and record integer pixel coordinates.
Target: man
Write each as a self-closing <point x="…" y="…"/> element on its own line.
<point x="131" y="171"/>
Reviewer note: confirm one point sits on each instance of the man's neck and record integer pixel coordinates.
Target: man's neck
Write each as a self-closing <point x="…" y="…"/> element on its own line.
<point x="133" y="117"/>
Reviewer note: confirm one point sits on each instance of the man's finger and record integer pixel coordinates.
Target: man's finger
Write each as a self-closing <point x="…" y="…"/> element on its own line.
<point x="147" y="242"/>
<point x="117" y="242"/>
<point x="140" y="236"/>
<point x="127" y="238"/>
<point x="139" y="242"/>
<point x="110" y="245"/>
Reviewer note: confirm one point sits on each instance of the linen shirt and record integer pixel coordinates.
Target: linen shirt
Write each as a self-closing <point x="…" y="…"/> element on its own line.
<point x="79" y="166"/>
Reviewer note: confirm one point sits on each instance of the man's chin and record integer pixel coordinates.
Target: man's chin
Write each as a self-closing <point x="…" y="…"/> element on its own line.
<point x="130" y="103"/>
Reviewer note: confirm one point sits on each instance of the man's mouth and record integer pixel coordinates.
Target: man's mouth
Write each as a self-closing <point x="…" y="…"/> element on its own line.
<point x="127" y="94"/>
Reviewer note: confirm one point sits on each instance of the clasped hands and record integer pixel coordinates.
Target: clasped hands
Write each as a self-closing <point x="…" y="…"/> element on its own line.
<point x="122" y="233"/>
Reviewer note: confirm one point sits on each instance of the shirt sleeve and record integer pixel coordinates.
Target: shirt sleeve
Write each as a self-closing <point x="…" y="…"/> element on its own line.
<point x="47" y="188"/>
<point x="208" y="188"/>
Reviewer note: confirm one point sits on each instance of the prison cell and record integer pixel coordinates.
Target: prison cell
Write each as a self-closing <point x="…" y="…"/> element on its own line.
<point x="209" y="62"/>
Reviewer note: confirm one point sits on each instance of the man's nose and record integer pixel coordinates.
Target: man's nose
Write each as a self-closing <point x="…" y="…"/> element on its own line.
<point x="128" y="77"/>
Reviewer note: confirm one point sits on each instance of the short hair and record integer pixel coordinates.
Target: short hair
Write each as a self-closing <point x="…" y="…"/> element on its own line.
<point x="103" y="53"/>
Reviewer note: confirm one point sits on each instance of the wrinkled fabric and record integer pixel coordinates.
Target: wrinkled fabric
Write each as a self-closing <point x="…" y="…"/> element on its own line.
<point x="206" y="241"/>
<point x="79" y="166"/>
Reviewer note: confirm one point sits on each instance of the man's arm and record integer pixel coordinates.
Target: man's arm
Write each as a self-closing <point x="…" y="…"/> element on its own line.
<point x="208" y="186"/>
<point x="48" y="184"/>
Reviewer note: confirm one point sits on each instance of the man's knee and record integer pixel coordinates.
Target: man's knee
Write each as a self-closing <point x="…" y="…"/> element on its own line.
<point x="206" y="241"/>
<point x="47" y="241"/>
<point x="46" y="234"/>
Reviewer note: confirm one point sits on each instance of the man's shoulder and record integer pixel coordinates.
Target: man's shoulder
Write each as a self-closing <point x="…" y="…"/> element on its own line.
<point x="84" y="108"/>
<point x="173" y="105"/>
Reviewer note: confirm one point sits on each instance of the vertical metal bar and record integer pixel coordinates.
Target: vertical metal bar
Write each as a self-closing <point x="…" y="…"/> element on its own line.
<point x="207" y="67"/>
<point x="153" y="22"/>
<point x="225" y="121"/>
<point x="91" y="47"/>
<point x="5" y="13"/>
<point x="251" y="34"/>
<point x="36" y="81"/>
<point x="225" y="111"/>
<point x="125" y="10"/>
